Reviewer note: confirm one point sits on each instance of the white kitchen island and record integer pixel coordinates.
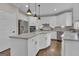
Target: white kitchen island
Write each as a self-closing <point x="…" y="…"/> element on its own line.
<point x="29" y="44"/>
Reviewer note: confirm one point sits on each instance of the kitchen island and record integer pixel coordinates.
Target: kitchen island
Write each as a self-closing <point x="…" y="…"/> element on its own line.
<point x="30" y="43"/>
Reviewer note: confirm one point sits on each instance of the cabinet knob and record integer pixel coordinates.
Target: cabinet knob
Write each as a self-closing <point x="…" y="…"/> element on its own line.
<point x="35" y="42"/>
<point x="13" y="31"/>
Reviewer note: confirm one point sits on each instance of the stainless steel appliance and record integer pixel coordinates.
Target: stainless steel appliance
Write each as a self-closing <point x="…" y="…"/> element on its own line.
<point x="32" y="28"/>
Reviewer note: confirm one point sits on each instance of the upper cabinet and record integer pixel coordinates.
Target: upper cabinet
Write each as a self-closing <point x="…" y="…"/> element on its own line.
<point x="61" y="20"/>
<point x="49" y="20"/>
<point x="76" y="12"/>
<point x="69" y="19"/>
<point x="64" y="19"/>
<point x="76" y="16"/>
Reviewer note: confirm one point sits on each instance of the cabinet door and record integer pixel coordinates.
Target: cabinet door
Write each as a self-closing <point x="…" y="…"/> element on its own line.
<point x="42" y="41"/>
<point x="69" y="19"/>
<point x="36" y="44"/>
<point x="33" y="46"/>
<point x="61" y="20"/>
<point x="48" y="39"/>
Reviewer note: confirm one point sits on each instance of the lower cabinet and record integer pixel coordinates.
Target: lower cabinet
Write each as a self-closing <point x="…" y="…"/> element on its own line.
<point x="29" y="46"/>
<point x="38" y="42"/>
<point x="45" y="40"/>
<point x="42" y="41"/>
<point x="33" y="46"/>
<point x="48" y="39"/>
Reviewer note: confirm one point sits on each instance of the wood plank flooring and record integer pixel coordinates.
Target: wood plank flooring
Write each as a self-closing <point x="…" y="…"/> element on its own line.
<point x="5" y="52"/>
<point x="53" y="50"/>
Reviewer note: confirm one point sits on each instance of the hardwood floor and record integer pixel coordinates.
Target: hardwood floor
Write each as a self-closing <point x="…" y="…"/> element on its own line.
<point x="5" y="52"/>
<point x="53" y="50"/>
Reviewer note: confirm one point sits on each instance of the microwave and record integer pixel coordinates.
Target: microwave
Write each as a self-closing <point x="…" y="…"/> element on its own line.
<point x="32" y="28"/>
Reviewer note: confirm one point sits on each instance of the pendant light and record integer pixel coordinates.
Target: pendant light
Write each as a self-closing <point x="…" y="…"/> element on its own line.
<point x="29" y="13"/>
<point x="39" y="12"/>
<point x="35" y="11"/>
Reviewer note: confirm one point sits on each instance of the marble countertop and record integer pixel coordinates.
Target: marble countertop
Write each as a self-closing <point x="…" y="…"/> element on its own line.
<point x="70" y="35"/>
<point x="29" y="35"/>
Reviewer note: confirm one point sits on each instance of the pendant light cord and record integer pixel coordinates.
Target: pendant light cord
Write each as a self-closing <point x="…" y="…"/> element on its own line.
<point x="39" y="10"/>
<point x="35" y="8"/>
<point x="28" y="5"/>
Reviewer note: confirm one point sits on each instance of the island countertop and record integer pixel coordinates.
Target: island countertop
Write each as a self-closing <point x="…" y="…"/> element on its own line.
<point x="29" y="35"/>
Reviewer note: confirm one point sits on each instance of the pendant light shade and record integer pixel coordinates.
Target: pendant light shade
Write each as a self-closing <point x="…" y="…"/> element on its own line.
<point x="35" y="15"/>
<point x="29" y="13"/>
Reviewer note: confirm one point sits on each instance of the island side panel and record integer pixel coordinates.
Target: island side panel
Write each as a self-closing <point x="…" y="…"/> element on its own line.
<point x="19" y="47"/>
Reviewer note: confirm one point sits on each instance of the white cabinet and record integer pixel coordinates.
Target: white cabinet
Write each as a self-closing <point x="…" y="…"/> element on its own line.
<point x="69" y="19"/>
<point x="24" y="47"/>
<point x="33" y="46"/>
<point x="49" y="20"/>
<point x="29" y="46"/>
<point x="61" y="20"/>
<point x="48" y="39"/>
<point x="76" y="12"/>
<point x="76" y="25"/>
<point x="45" y="40"/>
<point x="64" y="19"/>
<point x="42" y="41"/>
<point x="70" y="47"/>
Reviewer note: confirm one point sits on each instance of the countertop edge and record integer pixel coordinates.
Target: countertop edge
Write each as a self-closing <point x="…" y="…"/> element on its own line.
<point x="21" y="37"/>
<point x="70" y="40"/>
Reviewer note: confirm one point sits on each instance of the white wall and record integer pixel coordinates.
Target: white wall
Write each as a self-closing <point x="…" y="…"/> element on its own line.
<point x="8" y="24"/>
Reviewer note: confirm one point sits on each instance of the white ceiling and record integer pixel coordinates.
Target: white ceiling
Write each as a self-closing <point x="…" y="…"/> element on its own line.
<point x="45" y="8"/>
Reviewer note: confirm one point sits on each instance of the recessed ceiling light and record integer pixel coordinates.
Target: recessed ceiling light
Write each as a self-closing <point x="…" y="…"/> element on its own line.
<point x="55" y="9"/>
<point x="26" y="5"/>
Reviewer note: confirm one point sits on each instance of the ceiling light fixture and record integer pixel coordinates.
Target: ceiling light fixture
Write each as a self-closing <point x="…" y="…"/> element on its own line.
<point x="29" y="13"/>
<point x="55" y="9"/>
<point x="26" y="6"/>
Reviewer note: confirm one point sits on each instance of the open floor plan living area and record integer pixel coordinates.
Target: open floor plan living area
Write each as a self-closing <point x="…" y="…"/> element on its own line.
<point x="39" y="29"/>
